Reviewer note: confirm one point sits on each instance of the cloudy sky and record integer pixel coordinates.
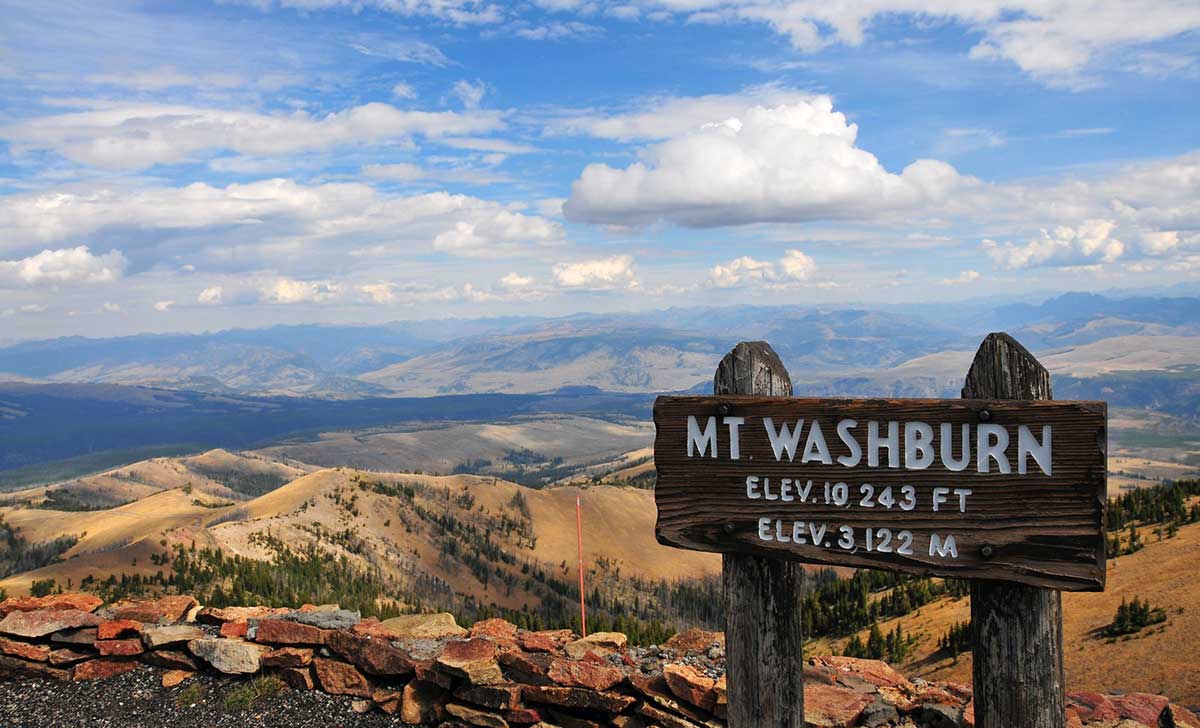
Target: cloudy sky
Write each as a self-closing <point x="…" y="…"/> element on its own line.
<point x="190" y="166"/>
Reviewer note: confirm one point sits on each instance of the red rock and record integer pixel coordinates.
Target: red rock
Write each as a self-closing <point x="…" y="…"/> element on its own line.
<point x="1073" y="719"/>
<point x="531" y="669"/>
<point x="387" y="700"/>
<point x="101" y="668"/>
<point x="46" y="621"/>
<point x="16" y="666"/>
<point x="170" y="659"/>
<point x="523" y="716"/>
<point x="498" y="629"/>
<point x="85" y="636"/>
<point x="65" y="656"/>
<point x="163" y="609"/>
<point x="372" y="655"/>
<point x="1141" y="707"/>
<point x="580" y="698"/>
<point x="1092" y="707"/>
<point x="426" y="670"/>
<point x="285" y="632"/>
<point x="306" y="607"/>
<point x="1184" y="718"/>
<point x="876" y="672"/>
<point x="24" y="650"/>
<point x="170" y="635"/>
<point x="297" y="678"/>
<point x="114" y="628"/>
<point x="422" y="703"/>
<point x="235" y="630"/>
<point x="536" y="642"/>
<point x="287" y="657"/>
<point x="654" y="687"/>
<point x="573" y="673"/>
<point x="171" y="678"/>
<point x="119" y="648"/>
<point x="829" y="706"/>
<point x="628" y="721"/>
<point x="473" y="659"/>
<point x="663" y="717"/>
<point x="217" y="615"/>
<point x="720" y="689"/>
<point x="694" y="640"/>
<point x="475" y="716"/>
<point x="338" y="678"/>
<point x="968" y="718"/>
<point x="601" y="643"/>
<point x="690" y="684"/>
<point x="69" y="600"/>
<point x="496" y="697"/>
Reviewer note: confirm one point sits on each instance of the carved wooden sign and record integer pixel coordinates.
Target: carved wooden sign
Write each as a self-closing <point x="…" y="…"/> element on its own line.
<point x="1004" y="489"/>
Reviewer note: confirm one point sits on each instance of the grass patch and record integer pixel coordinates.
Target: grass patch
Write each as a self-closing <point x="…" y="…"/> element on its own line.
<point x="243" y="697"/>
<point x="190" y="695"/>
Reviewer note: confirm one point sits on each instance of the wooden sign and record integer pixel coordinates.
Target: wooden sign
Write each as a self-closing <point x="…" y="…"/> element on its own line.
<point x="1008" y="490"/>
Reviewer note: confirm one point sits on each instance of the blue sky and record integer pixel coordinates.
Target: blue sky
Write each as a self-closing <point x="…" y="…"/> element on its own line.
<point x="189" y="166"/>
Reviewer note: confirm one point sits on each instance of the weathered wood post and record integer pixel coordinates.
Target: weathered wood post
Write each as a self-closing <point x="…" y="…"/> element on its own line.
<point x="764" y="638"/>
<point x="1016" y="629"/>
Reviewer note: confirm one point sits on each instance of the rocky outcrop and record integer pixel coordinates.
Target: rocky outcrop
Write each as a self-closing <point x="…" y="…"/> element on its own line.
<point x="426" y="670"/>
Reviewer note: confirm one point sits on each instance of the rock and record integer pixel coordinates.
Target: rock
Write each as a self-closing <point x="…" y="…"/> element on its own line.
<point x="694" y="640"/>
<point x="171" y="660"/>
<point x="85" y="636"/>
<point x="878" y="714"/>
<point x="171" y="678"/>
<point x="537" y="642"/>
<point x="42" y="623"/>
<point x="527" y="716"/>
<point x="496" y="697"/>
<point x="938" y="716"/>
<point x="338" y="678"/>
<point x="24" y="650"/>
<point x="281" y="631"/>
<point x="1142" y="707"/>
<point x="373" y="655"/>
<point x="235" y="630"/>
<point x="664" y="718"/>
<point x="424" y="626"/>
<point x="628" y="721"/>
<point x="875" y="672"/>
<point x="526" y="668"/>
<point x="426" y="670"/>
<point x="690" y="684"/>
<point x="324" y="618"/>
<point x="232" y="657"/>
<point x="176" y="634"/>
<point x="599" y="642"/>
<point x="387" y="700"/>
<point x="287" y="657"/>
<point x="101" y="668"/>
<point x="721" y="691"/>
<point x="829" y="706"/>
<point x="1092" y="707"/>
<point x="114" y="628"/>
<point x="69" y="600"/>
<point x="361" y="706"/>
<point x="474" y="716"/>
<point x="473" y="659"/>
<point x="654" y="688"/>
<point x="573" y="673"/>
<point x="500" y="630"/>
<point x="218" y="615"/>
<point x="65" y="656"/>
<point x="1183" y="718"/>
<point x="422" y="703"/>
<point x="163" y="609"/>
<point x="192" y="613"/>
<point x="580" y="698"/>
<point x="119" y="648"/>
<point x="17" y="666"/>
<point x="306" y="607"/>
<point x="296" y="678"/>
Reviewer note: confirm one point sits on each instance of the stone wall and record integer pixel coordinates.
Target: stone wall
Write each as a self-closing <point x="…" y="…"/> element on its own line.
<point x="427" y="670"/>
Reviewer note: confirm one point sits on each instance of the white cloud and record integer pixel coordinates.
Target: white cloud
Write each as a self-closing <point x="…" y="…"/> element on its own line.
<point x="789" y="163"/>
<point x="111" y="307"/>
<point x="500" y="231"/>
<point x="458" y="12"/>
<point x="67" y="265"/>
<point x="404" y="90"/>
<point x="135" y="136"/>
<point x="210" y="296"/>
<point x="166" y="77"/>
<point x="470" y="94"/>
<point x="289" y="290"/>
<point x="516" y="280"/>
<point x="967" y="276"/>
<point x="793" y="267"/>
<point x="162" y="306"/>
<point x="597" y="274"/>
<point x="1088" y="244"/>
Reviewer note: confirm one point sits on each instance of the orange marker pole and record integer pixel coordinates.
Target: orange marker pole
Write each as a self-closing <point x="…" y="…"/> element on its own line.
<point x="579" y="538"/>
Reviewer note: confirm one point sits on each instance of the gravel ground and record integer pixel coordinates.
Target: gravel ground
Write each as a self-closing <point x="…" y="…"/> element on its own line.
<point x="138" y="699"/>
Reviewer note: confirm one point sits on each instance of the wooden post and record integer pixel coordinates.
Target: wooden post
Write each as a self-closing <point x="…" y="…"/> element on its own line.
<point x="1016" y="630"/>
<point x="764" y="638"/>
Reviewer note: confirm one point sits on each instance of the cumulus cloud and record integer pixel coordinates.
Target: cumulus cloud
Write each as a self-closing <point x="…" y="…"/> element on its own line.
<point x="795" y="266"/>
<point x="470" y="94"/>
<point x="967" y="276"/>
<point x="597" y="274"/>
<point x="134" y="136"/>
<point x="66" y="265"/>
<point x="516" y="280"/>
<point x="1088" y="244"/>
<point x="499" y="232"/>
<point x="210" y="296"/>
<point x="404" y="90"/>
<point x="163" y="306"/>
<point x="289" y="290"/>
<point x="790" y="163"/>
